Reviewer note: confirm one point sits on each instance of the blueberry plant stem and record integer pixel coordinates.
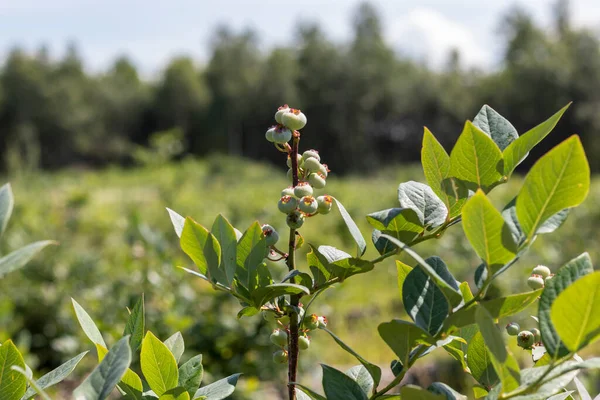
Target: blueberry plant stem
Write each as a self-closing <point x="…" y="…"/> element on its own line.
<point x="293" y="349"/>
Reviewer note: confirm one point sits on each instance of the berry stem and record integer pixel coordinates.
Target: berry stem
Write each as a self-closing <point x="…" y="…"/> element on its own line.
<point x="294" y="299"/>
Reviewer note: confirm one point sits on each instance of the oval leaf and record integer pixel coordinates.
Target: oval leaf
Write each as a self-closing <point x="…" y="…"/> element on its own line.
<point x="496" y="126"/>
<point x="419" y="197"/>
<point x="87" y="324"/>
<point x="352" y="228"/>
<point x="19" y="258"/>
<point x="339" y="386"/>
<point x="12" y="383"/>
<point x="203" y="248"/>
<point x="220" y="389"/>
<point x="7" y="203"/>
<point x="158" y="365"/>
<point x="56" y="375"/>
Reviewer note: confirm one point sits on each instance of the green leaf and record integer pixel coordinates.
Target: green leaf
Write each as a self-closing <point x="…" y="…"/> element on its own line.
<point x="504" y="363"/>
<point x="32" y="383"/>
<point x="413" y="392"/>
<point x="7" y="203"/>
<point x="177" y="220"/>
<point x="103" y="379"/>
<point x="362" y="376"/>
<point x="175" y="345"/>
<point x="339" y="386"/>
<point x="432" y="211"/>
<point x="450" y="291"/>
<point x="403" y="271"/>
<point x="352" y="228"/>
<point x="479" y="361"/>
<point x="263" y="295"/>
<point x="550" y="225"/>
<point x="402" y="336"/>
<point x="220" y="389"/>
<point x="87" y="324"/>
<point x="178" y="393"/>
<point x="190" y="374"/>
<point x="19" y="258"/>
<point x="517" y="151"/>
<point x="565" y="276"/>
<point x="496" y="126"/>
<point x="576" y="312"/>
<point x="446" y="391"/>
<point x="251" y="251"/>
<point x="558" y="180"/>
<point x="423" y="300"/>
<point x="12" y="383"/>
<point x="479" y="392"/>
<point x="131" y="383"/>
<point x="373" y="370"/>
<point x="487" y="232"/>
<point x="498" y="308"/>
<point x="225" y="234"/>
<point x="55" y="376"/>
<point x="158" y="364"/>
<point x="204" y="249"/>
<point x="401" y="223"/>
<point x="135" y="325"/>
<point x="308" y="392"/>
<point x="382" y="245"/>
<point x="327" y="263"/>
<point x="454" y="348"/>
<point x="476" y="159"/>
<point x="436" y="166"/>
<point x="248" y="311"/>
<point x="465" y="290"/>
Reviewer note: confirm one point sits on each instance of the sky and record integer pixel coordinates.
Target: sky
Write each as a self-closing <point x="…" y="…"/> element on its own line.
<point x="151" y="32"/>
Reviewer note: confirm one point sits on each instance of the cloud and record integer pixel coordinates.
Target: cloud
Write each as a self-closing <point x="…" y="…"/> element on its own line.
<point x="427" y="34"/>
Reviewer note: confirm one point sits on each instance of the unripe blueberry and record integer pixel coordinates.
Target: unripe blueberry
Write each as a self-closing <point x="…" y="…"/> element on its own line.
<point x="290" y="175"/>
<point x="317" y="180"/>
<point x="312" y="322"/>
<point x="542" y="270"/>
<point x="280" y="111"/>
<point x="289" y="161"/>
<point x="525" y="339"/>
<point x="513" y="329"/>
<point x="324" y="203"/>
<point x="322" y="321"/>
<point x="311" y="154"/>
<point x="324" y="170"/>
<point x="281" y="135"/>
<point x="287" y="204"/>
<point x="271" y="235"/>
<point x="303" y="342"/>
<point x="535" y="282"/>
<point x="279" y="337"/>
<point x="312" y="164"/>
<point x="303" y="189"/>
<point x="270" y="133"/>
<point x="308" y="205"/>
<point x="288" y="191"/>
<point x="537" y="335"/>
<point x="295" y="219"/>
<point x="294" y="119"/>
<point x="280" y="357"/>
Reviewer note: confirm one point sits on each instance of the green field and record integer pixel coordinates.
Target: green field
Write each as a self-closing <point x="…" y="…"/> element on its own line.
<point x="116" y="242"/>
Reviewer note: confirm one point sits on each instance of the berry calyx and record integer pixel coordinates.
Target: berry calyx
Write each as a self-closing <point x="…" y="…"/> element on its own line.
<point x="537" y="335"/>
<point x="513" y="329"/>
<point x="279" y="337"/>
<point x="280" y="357"/>
<point x="312" y="322"/>
<point x="525" y="339"/>
<point x="295" y="219"/>
<point x="542" y="270"/>
<point x="281" y="134"/>
<point x="322" y="321"/>
<point x="535" y="282"/>
<point x="271" y="235"/>
<point x="308" y="205"/>
<point x="324" y="203"/>
<point x="317" y="180"/>
<point x="294" y="119"/>
<point x="324" y="170"/>
<point x="303" y="342"/>
<point x="280" y="111"/>
<point x="303" y="189"/>
<point x="311" y="154"/>
<point x="287" y="204"/>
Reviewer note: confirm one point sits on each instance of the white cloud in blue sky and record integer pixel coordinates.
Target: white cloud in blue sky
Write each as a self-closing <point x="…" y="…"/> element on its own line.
<point x="152" y="31"/>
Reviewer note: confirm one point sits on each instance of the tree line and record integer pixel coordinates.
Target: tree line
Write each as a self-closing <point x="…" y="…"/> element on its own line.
<point x="365" y="102"/>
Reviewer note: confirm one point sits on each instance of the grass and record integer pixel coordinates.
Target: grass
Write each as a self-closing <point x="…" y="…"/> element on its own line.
<point x="116" y="241"/>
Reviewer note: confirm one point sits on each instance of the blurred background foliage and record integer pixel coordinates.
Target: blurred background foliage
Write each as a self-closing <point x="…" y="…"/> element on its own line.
<point x="192" y="139"/>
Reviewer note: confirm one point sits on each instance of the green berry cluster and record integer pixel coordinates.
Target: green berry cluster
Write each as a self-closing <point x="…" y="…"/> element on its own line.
<point x="539" y="276"/>
<point x="299" y="202"/>
<point x="525" y="339"/>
